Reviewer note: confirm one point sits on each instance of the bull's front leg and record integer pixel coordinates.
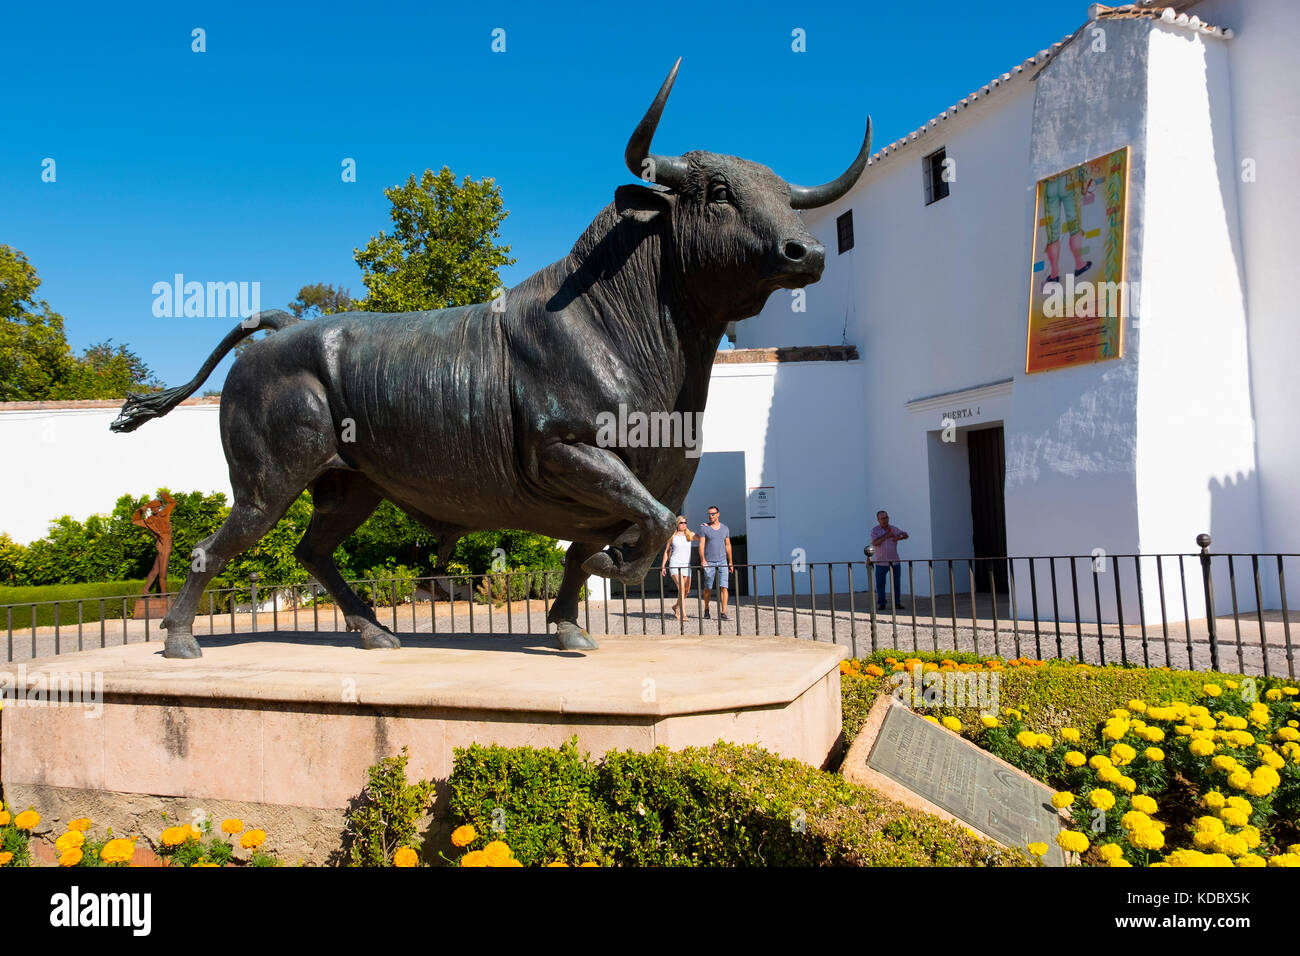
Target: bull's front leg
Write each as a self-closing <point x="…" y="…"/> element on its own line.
<point x="599" y="479"/>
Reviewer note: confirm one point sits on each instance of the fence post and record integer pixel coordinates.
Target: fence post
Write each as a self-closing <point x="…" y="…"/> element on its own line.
<point x="869" y="551"/>
<point x="1203" y="540"/>
<point x="253" y="577"/>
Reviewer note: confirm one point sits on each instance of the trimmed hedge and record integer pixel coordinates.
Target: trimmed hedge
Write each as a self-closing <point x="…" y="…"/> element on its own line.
<point x="71" y="593"/>
<point x="724" y="805"/>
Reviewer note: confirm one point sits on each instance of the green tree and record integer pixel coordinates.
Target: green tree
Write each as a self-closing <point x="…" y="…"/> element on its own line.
<point x="321" y="299"/>
<point x="36" y="362"/>
<point x="443" y="250"/>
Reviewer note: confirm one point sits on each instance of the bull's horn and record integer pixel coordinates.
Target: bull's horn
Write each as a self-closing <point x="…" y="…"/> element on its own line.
<point x="810" y="197"/>
<point x="666" y="170"/>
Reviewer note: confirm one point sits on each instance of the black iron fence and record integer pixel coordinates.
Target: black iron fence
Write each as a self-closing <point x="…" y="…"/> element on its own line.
<point x="1197" y="610"/>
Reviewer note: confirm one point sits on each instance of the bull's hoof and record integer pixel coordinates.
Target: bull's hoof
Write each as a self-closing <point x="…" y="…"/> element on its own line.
<point x="574" y="638"/>
<point x="601" y="564"/>
<point x="181" y="645"/>
<point x="375" y="637"/>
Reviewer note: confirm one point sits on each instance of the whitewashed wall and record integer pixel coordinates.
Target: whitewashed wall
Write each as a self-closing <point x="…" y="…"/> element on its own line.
<point x="66" y="462"/>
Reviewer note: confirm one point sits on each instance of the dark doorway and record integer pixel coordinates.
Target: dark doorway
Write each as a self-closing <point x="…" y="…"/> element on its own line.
<point x="988" y="472"/>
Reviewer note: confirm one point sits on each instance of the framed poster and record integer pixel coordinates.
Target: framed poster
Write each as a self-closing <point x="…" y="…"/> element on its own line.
<point x="1078" y="297"/>
<point x="762" y="501"/>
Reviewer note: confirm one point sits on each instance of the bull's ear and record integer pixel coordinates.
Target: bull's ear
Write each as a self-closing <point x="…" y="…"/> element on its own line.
<point x="641" y="202"/>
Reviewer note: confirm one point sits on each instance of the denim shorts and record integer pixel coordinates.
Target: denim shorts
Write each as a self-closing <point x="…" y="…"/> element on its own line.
<point x="721" y="571"/>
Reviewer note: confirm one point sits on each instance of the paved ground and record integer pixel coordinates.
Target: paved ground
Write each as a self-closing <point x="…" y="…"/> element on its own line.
<point x="1242" y="647"/>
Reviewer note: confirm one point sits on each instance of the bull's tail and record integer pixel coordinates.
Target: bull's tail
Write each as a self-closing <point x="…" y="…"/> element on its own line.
<point x="140" y="408"/>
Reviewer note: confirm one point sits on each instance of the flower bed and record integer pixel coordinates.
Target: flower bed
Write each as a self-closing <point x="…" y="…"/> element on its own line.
<point x="1155" y="767"/>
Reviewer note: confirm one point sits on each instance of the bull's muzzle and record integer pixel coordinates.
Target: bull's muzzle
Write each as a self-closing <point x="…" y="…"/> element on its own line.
<point x="798" y="263"/>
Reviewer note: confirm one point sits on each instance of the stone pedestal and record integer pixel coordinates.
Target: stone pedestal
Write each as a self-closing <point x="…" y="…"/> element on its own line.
<point x="280" y="729"/>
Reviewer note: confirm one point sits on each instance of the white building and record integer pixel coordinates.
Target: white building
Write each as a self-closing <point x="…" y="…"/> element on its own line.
<point x="1189" y="430"/>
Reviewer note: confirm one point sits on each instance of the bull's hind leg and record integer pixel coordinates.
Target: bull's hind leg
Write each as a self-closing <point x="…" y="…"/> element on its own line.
<point x="341" y="501"/>
<point x="248" y="520"/>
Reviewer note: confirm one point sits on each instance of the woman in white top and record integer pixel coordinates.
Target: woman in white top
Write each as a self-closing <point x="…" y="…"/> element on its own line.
<point x="677" y="560"/>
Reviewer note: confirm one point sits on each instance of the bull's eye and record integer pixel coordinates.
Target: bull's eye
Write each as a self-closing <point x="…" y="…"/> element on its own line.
<point x="719" y="192"/>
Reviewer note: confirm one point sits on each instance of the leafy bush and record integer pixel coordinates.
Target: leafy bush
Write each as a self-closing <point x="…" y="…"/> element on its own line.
<point x="388" y="584"/>
<point x="723" y="805"/>
<point x="386" y="814"/>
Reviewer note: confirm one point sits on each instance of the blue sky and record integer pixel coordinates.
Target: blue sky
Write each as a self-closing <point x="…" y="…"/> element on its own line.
<point x="225" y="165"/>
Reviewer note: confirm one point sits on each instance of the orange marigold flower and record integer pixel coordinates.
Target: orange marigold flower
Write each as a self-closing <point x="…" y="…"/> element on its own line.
<point x="252" y="839"/>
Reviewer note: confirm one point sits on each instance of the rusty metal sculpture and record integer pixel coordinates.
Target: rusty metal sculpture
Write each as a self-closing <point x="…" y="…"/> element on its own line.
<point x="487" y="416"/>
<point x="155" y="517"/>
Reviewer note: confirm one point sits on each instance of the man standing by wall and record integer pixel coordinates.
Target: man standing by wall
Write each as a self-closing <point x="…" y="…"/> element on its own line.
<point x="715" y="558"/>
<point x="884" y="542"/>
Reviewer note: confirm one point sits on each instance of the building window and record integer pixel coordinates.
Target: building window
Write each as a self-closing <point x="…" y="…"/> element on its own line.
<point x="844" y="229"/>
<point x="932" y="170"/>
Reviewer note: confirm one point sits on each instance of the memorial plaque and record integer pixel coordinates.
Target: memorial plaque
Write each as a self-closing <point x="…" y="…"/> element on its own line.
<point x="977" y="788"/>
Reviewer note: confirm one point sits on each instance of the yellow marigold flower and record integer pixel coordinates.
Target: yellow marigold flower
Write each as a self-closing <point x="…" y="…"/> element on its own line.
<point x="1229" y="844"/>
<point x="874" y="670"/>
<point x="1147" y="838"/>
<point x="1239" y="779"/>
<point x="1144" y="803"/>
<point x="1111" y="851"/>
<point x="1118" y="713"/>
<point x="69" y="841"/>
<point x="1251" y="836"/>
<point x="252" y="839"/>
<point x="1288" y="734"/>
<point x="1240" y="803"/>
<point x="1012" y="712"/>
<point x="405" y="857"/>
<point x="1119" y="863"/>
<point x="1137" y="706"/>
<point x="4" y="818"/>
<point x="81" y="824"/>
<point x="1182" y="730"/>
<point x="1211" y="690"/>
<point x="931" y="718"/>
<point x="953" y="724"/>
<point x="1231" y="684"/>
<point x="232" y="825"/>
<point x="1062" y="799"/>
<point x="5" y="858"/>
<point x="1075" y="759"/>
<point x="557" y="863"/>
<point x="1043" y="740"/>
<point x="1213" y="800"/>
<point x="1037" y="849"/>
<point x="1134" y="819"/>
<point x="117" y="851"/>
<point x="1127" y="784"/>
<point x="1268" y="775"/>
<point x="1072" y="841"/>
<point x="1070" y="735"/>
<point x="1291" y="691"/>
<point x="1109" y="774"/>
<point x="1273" y="693"/>
<point x="27" y="820"/>
<point x="1101" y="799"/>
<point x="474" y="858"/>
<point x="1027" y="739"/>
<point x="1258" y="788"/>
<point x="463" y="835"/>
<point x="1187" y="858"/>
<point x="1282" y="859"/>
<point x="1122" y="754"/>
<point x="70" y="856"/>
<point x="1153" y="735"/>
<point x="1154" y="754"/>
<point x="1115" y="729"/>
<point x="175" y="836"/>
<point x="497" y="853"/>
<point x="1274" y="760"/>
<point x="1097" y="761"/>
<point x="1224" y="762"/>
<point x="1234" y="816"/>
<point x="588" y="863"/>
<point x="988" y="720"/>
